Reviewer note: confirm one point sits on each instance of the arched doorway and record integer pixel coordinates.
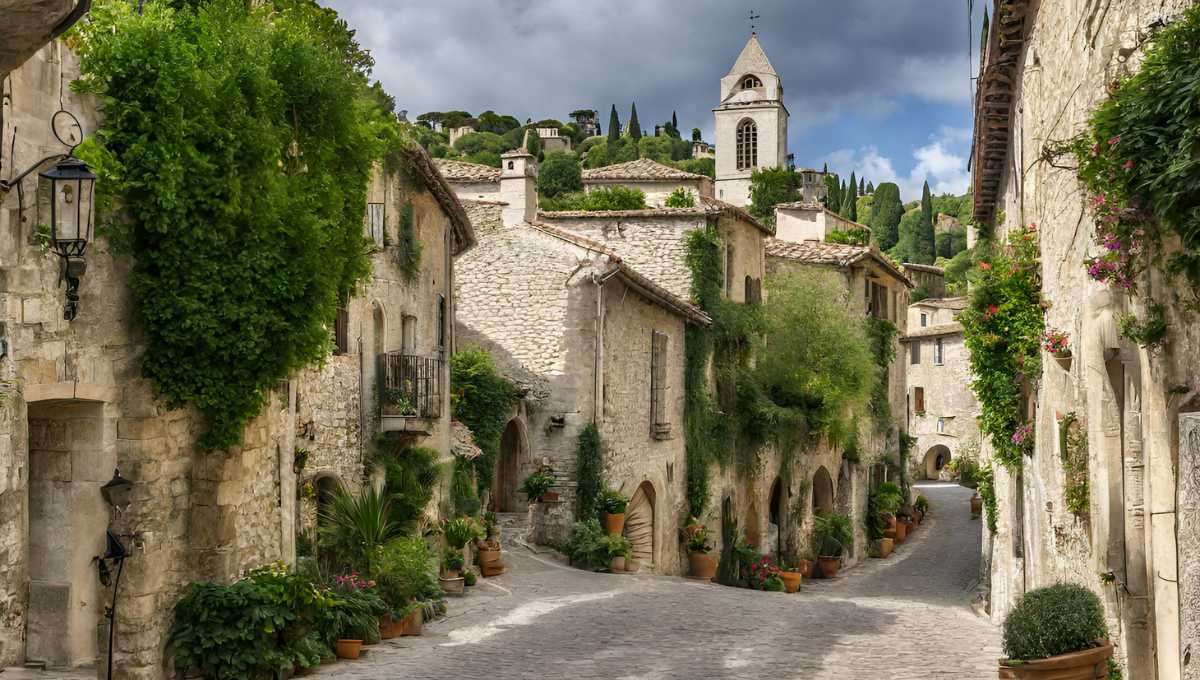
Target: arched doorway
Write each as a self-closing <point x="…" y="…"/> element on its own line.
<point x="822" y="491"/>
<point x="639" y="523"/>
<point x="776" y="512"/>
<point x="936" y="458"/>
<point x="754" y="535"/>
<point x="508" y="469"/>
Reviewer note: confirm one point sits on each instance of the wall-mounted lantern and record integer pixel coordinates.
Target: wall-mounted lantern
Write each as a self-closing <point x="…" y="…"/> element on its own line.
<point x="72" y="218"/>
<point x="117" y="492"/>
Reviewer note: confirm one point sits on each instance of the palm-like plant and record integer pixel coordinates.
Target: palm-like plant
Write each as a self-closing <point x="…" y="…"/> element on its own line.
<point x="355" y="527"/>
<point x="832" y="532"/>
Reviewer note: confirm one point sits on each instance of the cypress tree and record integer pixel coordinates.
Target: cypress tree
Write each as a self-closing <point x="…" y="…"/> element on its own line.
<point x="886" y="212"/>
<point x="674" y="121"/>
<point x="870" y="187"/>
<point x="924" y="251"/>
<point x="862" y="187"/>
<point x="614" y="126"/>
<point x="635" y="128"/>
<point x="850" y="201"/>
<point x="825" y="169"/>
<point x="833" y="193"/>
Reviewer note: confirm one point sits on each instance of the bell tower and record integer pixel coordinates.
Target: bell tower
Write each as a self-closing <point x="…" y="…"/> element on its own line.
<point x="751" y="123"/>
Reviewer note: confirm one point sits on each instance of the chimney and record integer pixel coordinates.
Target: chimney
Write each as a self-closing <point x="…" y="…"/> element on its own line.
<point x="518" y="186"/>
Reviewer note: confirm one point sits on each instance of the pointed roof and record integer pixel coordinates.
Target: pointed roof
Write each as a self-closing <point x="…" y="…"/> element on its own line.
<point x="752" y="59"/>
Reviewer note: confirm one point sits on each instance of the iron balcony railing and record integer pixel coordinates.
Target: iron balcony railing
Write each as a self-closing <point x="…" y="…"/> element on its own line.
<point x="410" y="385"/>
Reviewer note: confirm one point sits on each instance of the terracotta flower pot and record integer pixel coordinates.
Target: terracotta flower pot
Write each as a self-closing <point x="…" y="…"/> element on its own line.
<point x="791" y="581"/>
<point x="890" y="533"/>
<point x="349" y="649"/>
<point x="891" y="522"/>
<point x="617" y="565"/>
<point x="976" y="505"/>
<point x="702" y="565"/>
<point x="883" y="547"/>
<point x="492" y="568"/>
<point x="1064" y="362"/>
<point x="549" y="497"/>
<point x="805" y="568"/>
<point x="1090" y="664"/>
<point x="413" y="622"/>
<point x="388" y="628"/>
<point x="909" y="527"/>
<point x="487" y="555"/>
<point x="452" y="585"/>
<point x="901" y="532"/>
<point x="829" y="566"/>
<point x="614" y="524"/>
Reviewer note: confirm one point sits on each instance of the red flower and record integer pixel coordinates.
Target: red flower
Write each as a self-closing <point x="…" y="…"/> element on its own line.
<point x="1114" y="140"/>
<point x="985" y="266"/>
<point x="1128" y="165"/>
<point x="991" y="310"/>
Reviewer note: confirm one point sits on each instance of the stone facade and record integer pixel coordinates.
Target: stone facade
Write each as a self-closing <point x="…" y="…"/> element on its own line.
<point x="75" y="407"/>
<point x="1041" y="80"/>
<point x="808" y="220"/>
<point x="751" y="92"/>
<point x="927" y="278"/>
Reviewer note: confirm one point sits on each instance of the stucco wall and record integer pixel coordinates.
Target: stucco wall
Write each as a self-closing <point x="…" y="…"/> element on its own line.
<point x="948" y="396"/>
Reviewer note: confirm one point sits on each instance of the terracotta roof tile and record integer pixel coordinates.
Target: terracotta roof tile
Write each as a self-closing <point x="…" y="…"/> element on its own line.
<point x="641" y="169"/>
<point x="924" y="268"/>
<point x="833" y="254"/>
<point x="461" y="171"/>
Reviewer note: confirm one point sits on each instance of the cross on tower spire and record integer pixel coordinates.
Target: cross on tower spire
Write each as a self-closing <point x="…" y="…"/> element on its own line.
<point x="753" y="16"/>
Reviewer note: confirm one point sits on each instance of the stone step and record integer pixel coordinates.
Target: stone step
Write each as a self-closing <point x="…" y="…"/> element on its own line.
<point x="512" y="520"/>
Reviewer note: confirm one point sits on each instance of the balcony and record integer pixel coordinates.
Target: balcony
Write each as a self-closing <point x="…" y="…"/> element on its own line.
<point x="410" y="392"/>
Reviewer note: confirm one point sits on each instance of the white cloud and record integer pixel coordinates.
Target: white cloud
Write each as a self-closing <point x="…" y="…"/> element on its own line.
<point x="942" y="163"/>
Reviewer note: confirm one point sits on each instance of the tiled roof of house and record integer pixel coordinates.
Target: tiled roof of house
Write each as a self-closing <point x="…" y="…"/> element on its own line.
<point x="461" y="171"/>
<point x="642" y="169"/>
<point x="952" y="328"/>
<point x="707" y="206"/>
<point x="830" y="254"/>
<point x="924" y="268"/>
<point x="944" y="303"/>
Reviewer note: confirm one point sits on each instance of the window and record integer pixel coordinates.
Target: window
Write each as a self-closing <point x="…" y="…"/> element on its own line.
<point x="941" y="425"/>
<point x="877" y="300"/>
<point x="747" y="145"/>
<point x="751" y="81"/>
<point x="916" y="352"/>
<point x="408" y="334"/>
<point x="660" y="418"/>
<point x="341" y="331"/>
<point x="919" y="400"/>
<point x="441" y="320"/>
<point x="939" y="353"/>
<point x="924" y="319"/>
<point x="729" y="271"/>
<point x="749" y="294"/>
<point x="375" y="223"/>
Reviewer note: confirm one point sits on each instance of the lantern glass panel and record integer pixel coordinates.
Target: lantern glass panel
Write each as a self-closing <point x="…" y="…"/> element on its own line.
<point x="71" y="207"/>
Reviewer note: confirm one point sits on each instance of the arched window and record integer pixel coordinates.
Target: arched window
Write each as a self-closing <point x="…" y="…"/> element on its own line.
<point x="747" y="145"/>
<point x="751" y="81"/>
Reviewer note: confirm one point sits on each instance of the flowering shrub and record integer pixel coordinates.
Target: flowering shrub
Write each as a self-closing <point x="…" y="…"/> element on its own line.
<point x="1057" y="342"/>
<point x="761" y="571"/>
<point x="1022" y="439"/>
<point x="352" y="582"/>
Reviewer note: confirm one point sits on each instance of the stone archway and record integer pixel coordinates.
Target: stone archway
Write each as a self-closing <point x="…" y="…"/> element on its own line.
<point x="639" y="523"/>
<point x="822" y="491"/>
<point x="753" y="534"/>
<point x="505" y="482"/>
<point x="776" y="513"/>
<point x="936" y="458"/>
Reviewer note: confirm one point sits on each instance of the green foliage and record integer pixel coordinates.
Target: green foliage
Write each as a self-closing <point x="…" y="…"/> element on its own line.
<point x="956" y="269"/>
<point x="460" y="531"/>
<point x="613" y="502"/>
<point x="886" y="211"/>
<point x="1150" y="333"/>
<point x="537" y="484"/>
<point x="241" y="250"/>
<point x="590" y="547"/>
<point x="769" y="187"/>
<point x="1003" y="327"/>
<point x="865" y="204"/>
<point x="469" y="578"/>
<point x="635" y="128"/>
<point x="925" y="244"/>
<point x="481" y="142"/>
<point x="849" y="208"/>
<point x="700" y="417"/>
<point x="464" y="497"/>
<point x="905" y="249"/>
<point x="405" y="573"/>
<point x="354" y="527"/>
<point x="699" y="166"/>
<point x="854" y="237"/>
<point x="681" y="198"/>
<point x="833" y="191"/>
<point x="882" y="502"/>
<point x="587" y="473"/>
<point x="410" y="476"/>
<point x="882" y="334"/>
<point x="921" y="504"/>
<point x="614" y="126"/>
<point x="832" y="533"/>
<point x="614" y="197"/>
<point x="1073" y="452"/>
<point x="1054" y="620"/>
<point x="453" y="560"/>
<point x="255" y="628"/>
<point x="408" y="251"/>
<point x="482" y="399"/>
<point x="559" y="174"/>
<point x="985" y="485"/>
<point x="490" y="121"/>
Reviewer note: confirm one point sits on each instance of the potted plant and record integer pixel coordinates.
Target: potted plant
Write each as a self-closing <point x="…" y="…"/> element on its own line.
<point x="412" y="619"/>
<point x="1056" y="632"/>
<point x="921" y="507"/>
<point x="701" y="564"/>
<point x="1058" y="344"/>
<point x="452" y="564"/>
<point x="491" y="526"/>
<point x="976" y="505"/>
<point x="487" y="551"/>
<point x="612" y="505"/>
<point x="789" y="573"/>
<point x="537" y="486"/>
<point x="618" y="548"/>
<point x="832" y="532"/>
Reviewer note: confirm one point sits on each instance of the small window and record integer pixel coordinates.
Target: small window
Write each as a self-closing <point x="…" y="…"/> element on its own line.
<point x="510" y="165"/>
<point x="408" y="336"/>
<point x="729" y="271"/>
<point x="939" y="353"/>
<point x="375" y="222"/>
<point x="441" y="320"/>
<point x="747" y="145"/>
<point x="916" y="352"/>
<point x="924" y="319"/>
<point x="660" y="417"/>
<point x="919" y="400"/>
<point x="341" y="331"/>
<point x="750" y="82"/>
<point x="941" y="425"/>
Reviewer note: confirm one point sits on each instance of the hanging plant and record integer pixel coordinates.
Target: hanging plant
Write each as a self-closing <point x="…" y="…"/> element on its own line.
<point x="1073" y="452"/>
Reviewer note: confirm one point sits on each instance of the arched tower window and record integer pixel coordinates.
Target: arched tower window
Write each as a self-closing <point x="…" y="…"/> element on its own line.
<point x="750" y="82"/>
<point x="747" y="145"/>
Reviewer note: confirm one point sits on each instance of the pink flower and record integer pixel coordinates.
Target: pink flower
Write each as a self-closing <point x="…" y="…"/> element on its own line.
<point x="1099" y="200"/>
<point x="1114" y="141"/>
<point x="1128" y="165"/>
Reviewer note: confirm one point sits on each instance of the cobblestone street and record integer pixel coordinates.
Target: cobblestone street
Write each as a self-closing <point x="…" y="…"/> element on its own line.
<point x="905" y="617"/>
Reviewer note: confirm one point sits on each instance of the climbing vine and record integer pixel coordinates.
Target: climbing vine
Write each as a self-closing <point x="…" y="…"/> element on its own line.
<point x="482" y="399"/>
<point x="408" y="251"/>
<point x="882" y="334"/>
<point x="1073" y="452"/>
<point x="985" y="486"/>
<point x="1003" y="326"/>
<point x="238" y="140"/>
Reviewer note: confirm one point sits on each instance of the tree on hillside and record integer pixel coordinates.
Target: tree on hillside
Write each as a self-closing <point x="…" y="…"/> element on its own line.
<point x="850" y="201"/>
<point x="635" y="128"/>
<point x="925" y="243"/>
<point x="862" y="186"/>
<point x="886" y="211"/>
<point x="696" y="136"/>
<point x="674" y="122"/>
<point x="870" y="187"/>
<point x="771" y="186"/>
<point x="614" y="125"/>
<point x="559" y="174"/>
<point x="833" y="194"/>
<point x="906" y="246"/>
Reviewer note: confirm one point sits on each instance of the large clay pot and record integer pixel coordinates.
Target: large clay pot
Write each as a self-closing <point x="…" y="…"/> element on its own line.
<point x="890" y="533"/>
<point x="829" y="566"/>
<point x="1090" y="664"/>
<point x="388" y="628"/>
<point x="614" y="524"/>
<point x="976" y="505"/>
<point x="805" y="568"/>
<point x="349" y="649"/>
<point x="413" y="622"/>
<point x="791" y="581"/>
<point x="487" y="555"/>
<point x="883" y="547"/>
<point x="489" y="569"/>
<point x="452" y="586"/>
<point x="901" y="532"/>
<point x="702" y="565"/>
<point x="617" y="565"/>
<point x="891" y="522"/>
<point x="909" y="527"/>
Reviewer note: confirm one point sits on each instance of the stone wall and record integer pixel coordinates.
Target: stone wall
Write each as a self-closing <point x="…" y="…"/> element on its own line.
<point x="656" y="191"/>
<point x="948" y="397"/>
<point x="1119" y="390"/>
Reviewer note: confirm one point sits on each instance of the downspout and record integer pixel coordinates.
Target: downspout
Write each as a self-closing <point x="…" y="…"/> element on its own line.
<point x="598" y="365"/>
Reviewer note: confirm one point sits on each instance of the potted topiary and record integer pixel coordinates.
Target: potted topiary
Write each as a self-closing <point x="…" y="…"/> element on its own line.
<point x="832" y="532"/>
<point x="452" y="564"/>
<point x="612" y="506"/>
<point x="536" y="487"/>
<point x="701" y="563"/>
<point x="1057" y="632"/>
<point x="976" y="505"/>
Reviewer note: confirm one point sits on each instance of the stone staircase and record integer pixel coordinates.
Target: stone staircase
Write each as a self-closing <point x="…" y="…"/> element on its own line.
<point x="514" y="527"/>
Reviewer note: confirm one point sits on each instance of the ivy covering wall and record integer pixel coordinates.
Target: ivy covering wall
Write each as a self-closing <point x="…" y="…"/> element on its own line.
<point x="482" y="399"/>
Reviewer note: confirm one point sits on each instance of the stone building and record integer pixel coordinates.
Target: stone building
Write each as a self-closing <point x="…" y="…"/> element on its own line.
<point x="1046" y="68"/>
<point x="813" y="188"/>
<point x="654" y="179"/>
<point x="751" y="123"/>
<point x="553" y="140"/>
<point x="942" y="410"/>
<point x="809" y="220"/>
<point x="927" y="278"/>
<point x="75" y="406"/>
<point x="471" y="181"/>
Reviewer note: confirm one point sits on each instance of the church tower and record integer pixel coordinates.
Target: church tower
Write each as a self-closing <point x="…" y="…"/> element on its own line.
<point x="751" y="123"/>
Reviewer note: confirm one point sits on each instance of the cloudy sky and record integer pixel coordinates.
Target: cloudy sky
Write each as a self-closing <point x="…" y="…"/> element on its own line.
<point x="881" y="87"/>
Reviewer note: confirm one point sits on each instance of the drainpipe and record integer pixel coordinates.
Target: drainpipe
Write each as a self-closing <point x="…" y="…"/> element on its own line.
<point x="598" y="365"/>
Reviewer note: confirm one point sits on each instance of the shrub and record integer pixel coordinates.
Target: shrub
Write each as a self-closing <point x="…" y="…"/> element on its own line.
<point x="832" y="533"/>
<point x="697" y="537"/>
<point x="680" y="198"/>
<point x="405" y="573"/>
<point x="613" y="502"/>
<point x="482" y="399"/>
<point x="587" y="473"/>
<point x="586" y="547"/>
<point x="1054" y="620"/>
<point x="773" y="584"/>
<point x="921" y="504"/>
<point x="771" y="186"/>
<point x="559" y="174"/>
<point x="354" y="528"/>
<point x="537" y="484"/>
<point x="356" y="611"/>
<point x="468" y="578"/>
<point x="460" y="531"/>
<point x="410" y="476"/>
<point x="606" y="198"/>
<point x="453" y="560"/>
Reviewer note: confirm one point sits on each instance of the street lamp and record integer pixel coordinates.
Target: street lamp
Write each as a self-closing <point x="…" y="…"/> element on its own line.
<point x="117" y="492"/>
<point x="72" y="218"/>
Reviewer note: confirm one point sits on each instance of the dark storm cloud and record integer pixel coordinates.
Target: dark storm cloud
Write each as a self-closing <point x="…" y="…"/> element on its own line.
<point x="543" y="58"/>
